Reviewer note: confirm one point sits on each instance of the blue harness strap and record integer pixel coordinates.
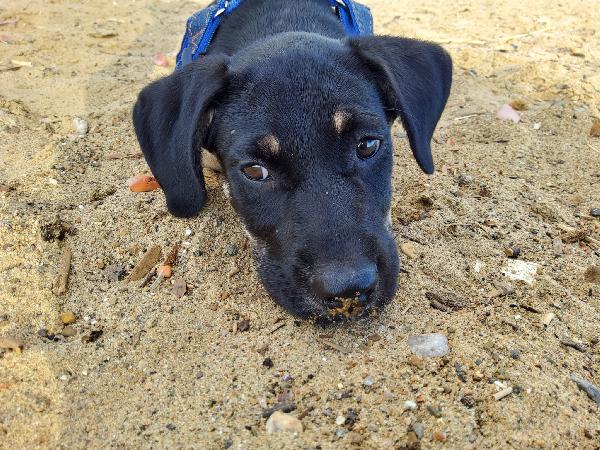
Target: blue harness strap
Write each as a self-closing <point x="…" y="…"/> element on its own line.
<point x="202" y="25"/>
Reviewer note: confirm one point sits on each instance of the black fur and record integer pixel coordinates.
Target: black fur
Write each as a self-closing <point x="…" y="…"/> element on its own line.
<point x="284" y="68"/>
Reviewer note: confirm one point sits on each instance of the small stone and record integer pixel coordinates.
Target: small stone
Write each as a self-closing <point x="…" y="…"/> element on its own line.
<point x="340" y="420"/>
<point x="68" y="317"/>
<point x="114" y="272"/>
<point x="282" y="422"/>
<point x="512" y="252"/>
<point x="592" y="274"/>
<point x="435" y="411"/>
<point x="267" y="362"/>
<point x="410" y="405"/>
<point x="595" y="130"/>
<point x="440" y="436"/>
<point x="519" y="270"/>
<point x="464" y="179"/>
<point x="595" y="212"/>
<point x="160" y="59"/>
<point x="419" y="429"/>
<point x="179" y="287"/>
<point x="10" y="343"/>
<point x="231" y="250"/>
<point x="428" y="345"/>
<point x="409" y="250"/>
<point x="243" y="325"/>
<point x="477" y="376"/>
<point x="368" y="381"/>
<point x="225" y="295"/>
<point x="68" y="332"/>
<point x="171" y="427"/>
<point x="468" y="401"/>
<point x="417" y="362"/>
<point x="506" y="112"/>
<point x="81" y="126"/>
<point x="340" y="433"/>
<point x="412" y="439"/>
<point x="547" y="318"/>
<point x="515" y="354"/>
<point x="43" y="333"/>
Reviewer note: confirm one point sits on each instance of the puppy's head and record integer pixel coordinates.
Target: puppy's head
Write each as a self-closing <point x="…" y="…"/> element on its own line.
<point x="301" y="125"/>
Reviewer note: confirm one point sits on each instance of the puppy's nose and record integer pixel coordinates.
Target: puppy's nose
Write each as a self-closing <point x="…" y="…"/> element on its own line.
<point x="344" y="281"/>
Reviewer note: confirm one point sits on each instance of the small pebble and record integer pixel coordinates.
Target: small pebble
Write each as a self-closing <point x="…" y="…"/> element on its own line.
<point x="515" y="354"/>
<point x="267" y="362"/>
<point x="282" y="422"/>
<point x="506" y="112"/>
<point x="410" y="405"/>
<point x="595" y="130"/>
<point x="419" y="429"/>
<point x="68" y="317"/>
<point x="340" y="420"/>
<point x="440" y="436"/>
<point x="409" y="250"/>
<point x="547" y="318"/>
<point x="243" y="325"/>
<point x="537" y="126"/>
<point x="464" y="179"/>
<point x="368" y="381"/>
<point x="81" y="126"/>
<point x="435" y="411"/>
<point x="595" y="212"/>
<point x="68" y="332"/>
<point x="428" y="345"/>
<point x="468" y="401"/>
<point x="231" y="250"/>
<point x="160" y="59"/>
<point x="179" y="287"/>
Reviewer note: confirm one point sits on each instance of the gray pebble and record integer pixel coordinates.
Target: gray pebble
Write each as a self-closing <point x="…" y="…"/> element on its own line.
<point x="231" y="250"/>
<point x="368" y="381"/>
<point x="595" y="212"/>
<point x="515" y="354"/>
<point x="419" y="429"/>
<point x="464" y="179"/>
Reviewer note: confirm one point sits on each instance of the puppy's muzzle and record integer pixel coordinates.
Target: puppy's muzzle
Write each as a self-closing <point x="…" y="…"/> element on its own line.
<point x="343" y="288"/>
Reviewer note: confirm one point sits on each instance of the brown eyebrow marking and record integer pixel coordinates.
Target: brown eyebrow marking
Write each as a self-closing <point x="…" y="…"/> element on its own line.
<point x="270" y="144"/>
<point x="340" y="120"/>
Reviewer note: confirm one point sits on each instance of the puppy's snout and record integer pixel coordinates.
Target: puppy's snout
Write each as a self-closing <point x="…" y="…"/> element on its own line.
<point x="346" y="282"/>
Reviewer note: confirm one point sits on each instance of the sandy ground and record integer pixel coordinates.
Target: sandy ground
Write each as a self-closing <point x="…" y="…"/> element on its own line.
<point x="176" y="372"/>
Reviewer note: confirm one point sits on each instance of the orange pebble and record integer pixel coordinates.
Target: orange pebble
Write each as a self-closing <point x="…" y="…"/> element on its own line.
<point x="164" y="271"/>
<point x="142" y="183"/>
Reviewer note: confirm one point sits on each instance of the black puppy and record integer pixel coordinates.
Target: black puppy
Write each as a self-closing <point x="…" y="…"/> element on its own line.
<point x="299" y="116"/>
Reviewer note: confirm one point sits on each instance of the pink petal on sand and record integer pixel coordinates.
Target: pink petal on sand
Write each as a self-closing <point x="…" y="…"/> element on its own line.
<point x="507" y="113"/>
<point x="160" y="59"/>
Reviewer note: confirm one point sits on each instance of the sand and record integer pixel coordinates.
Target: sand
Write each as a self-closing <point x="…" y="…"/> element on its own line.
<point x="177" y="372"/>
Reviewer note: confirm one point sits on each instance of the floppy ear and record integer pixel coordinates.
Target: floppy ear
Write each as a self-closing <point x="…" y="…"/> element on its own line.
<point x="170" y="121"/>
<point x="414" y="78"/>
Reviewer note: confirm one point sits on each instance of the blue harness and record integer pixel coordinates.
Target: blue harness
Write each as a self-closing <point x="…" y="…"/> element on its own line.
<point x="202" y="26"/>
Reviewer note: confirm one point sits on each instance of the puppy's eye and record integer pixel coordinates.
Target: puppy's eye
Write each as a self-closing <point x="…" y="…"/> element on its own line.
<point x="367" y="147"/>
<point x="256" y="172"/>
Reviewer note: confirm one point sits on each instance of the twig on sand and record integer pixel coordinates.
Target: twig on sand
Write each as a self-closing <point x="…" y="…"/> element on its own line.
<point x="62" y="280"/>
<point x="335" y="346"/>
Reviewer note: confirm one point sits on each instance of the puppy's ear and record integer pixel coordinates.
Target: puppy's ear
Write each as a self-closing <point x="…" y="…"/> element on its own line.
<point x="171" y="121"/>
<point x="414" y="78"/>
